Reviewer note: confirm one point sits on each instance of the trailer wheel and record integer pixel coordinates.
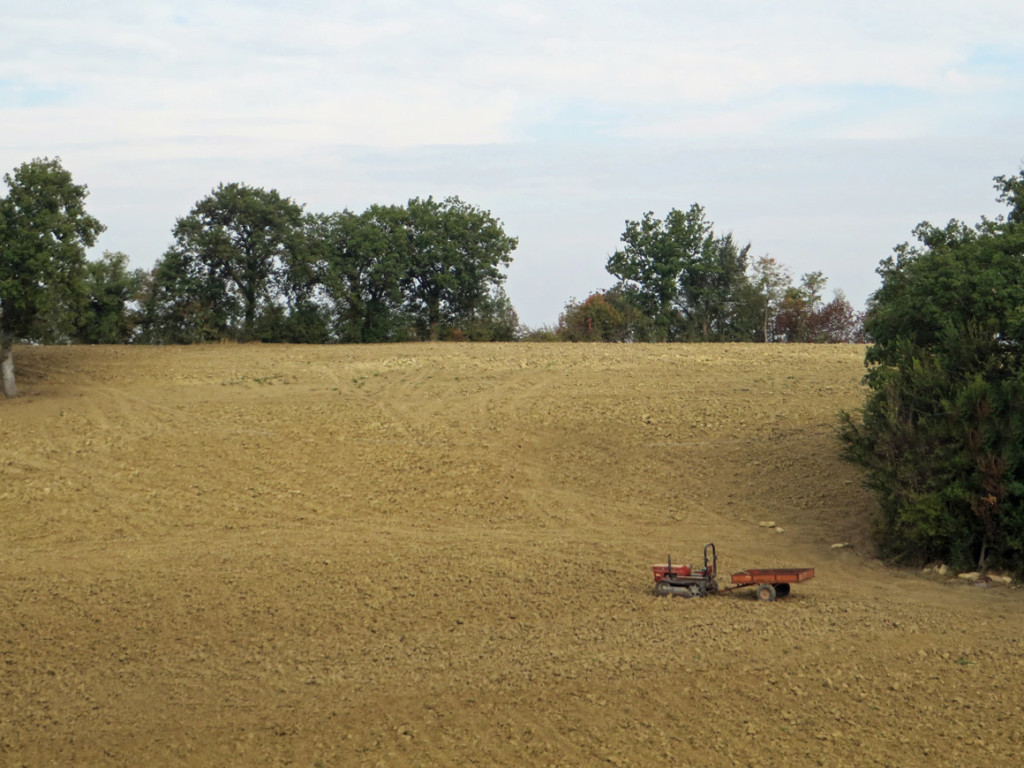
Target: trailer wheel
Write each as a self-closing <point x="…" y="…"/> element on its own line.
<point x="766" y="593"/>
<point x="663" y="589"/>
<point x="781" y="590"/>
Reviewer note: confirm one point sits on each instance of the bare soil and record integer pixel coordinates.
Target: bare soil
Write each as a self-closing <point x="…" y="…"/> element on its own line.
<point x="440" y="555"/>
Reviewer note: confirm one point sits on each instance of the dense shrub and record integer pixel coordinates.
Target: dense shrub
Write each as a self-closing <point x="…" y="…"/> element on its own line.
<point x="941" y="433"/>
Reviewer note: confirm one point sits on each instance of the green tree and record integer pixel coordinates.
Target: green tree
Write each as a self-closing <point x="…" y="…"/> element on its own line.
<point x="110" y="289"/>
<point x="456" y="255"/>
<point x="494" y="319"/>
<point x="188" y="301"/>
<point x="44" y="231"/>
<point x="940" y="434"/>
<point x="228" y="263"/>
<point x="656" y="261"/>
<point x="360" y="261"/>
<point x="627" y="301"/>
<point x="688" y="281"/>
<point x="710" y="288"/>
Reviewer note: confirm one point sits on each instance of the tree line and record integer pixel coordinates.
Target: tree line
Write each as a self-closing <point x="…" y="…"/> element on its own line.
<point x="677" y="280"/>
<point x="249" y="264"/>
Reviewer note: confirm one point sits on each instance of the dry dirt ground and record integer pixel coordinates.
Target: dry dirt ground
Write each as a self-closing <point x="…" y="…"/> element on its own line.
<point x="440" y="555"/>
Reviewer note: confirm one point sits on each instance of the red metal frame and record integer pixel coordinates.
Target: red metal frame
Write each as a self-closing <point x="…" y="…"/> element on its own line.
<point x="773" y="576"/>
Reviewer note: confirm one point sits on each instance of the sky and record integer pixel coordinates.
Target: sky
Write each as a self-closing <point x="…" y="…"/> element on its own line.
<point x="819" y="132"/>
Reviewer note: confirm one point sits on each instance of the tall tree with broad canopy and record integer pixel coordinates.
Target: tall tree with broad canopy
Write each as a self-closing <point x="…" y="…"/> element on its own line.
<point x="44" y="231"/>
<point x="685" y="279"/>
<point x="228" y="261"/>
<point x="360" y="261"/>
<point x="657" y="259"/>
<point x="456" y="255"/>
<point x="941" y="433"/>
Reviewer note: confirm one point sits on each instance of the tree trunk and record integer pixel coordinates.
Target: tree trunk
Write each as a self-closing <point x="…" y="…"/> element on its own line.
<point x="434" y="320"/>
<point x="7" y="366"/>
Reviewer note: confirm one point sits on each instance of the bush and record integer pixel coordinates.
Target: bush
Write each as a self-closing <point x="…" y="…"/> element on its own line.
<point x="941" y="433"/>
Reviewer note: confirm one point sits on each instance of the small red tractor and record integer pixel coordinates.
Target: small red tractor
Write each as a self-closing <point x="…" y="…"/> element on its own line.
<point x="684" y="581"/>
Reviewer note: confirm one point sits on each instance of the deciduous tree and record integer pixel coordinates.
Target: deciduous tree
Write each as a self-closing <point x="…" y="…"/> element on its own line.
<point x="593" y="319"/>
<point x="771" y="281"/>
<point x="836" y="322"/>
<point x="710" y="288"/>
<point x="657" y="259"/>
<point x="228" y="262"/>
<point x="44" y="231"/>
<point x="110" y="289"/>
<point x="360" y="261"/>
<point x="456" y="255"/>
<point x="689" y="282"/>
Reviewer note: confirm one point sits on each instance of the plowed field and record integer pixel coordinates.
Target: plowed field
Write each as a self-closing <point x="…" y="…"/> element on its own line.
<point x="440" y="555"/>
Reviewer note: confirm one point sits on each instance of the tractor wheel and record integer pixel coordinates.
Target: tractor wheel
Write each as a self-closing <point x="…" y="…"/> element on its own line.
<point x="662" y="589"/>
<point x="766" y="593"/>
<point x="781" y="590"/>
<point x="697" y="590"/>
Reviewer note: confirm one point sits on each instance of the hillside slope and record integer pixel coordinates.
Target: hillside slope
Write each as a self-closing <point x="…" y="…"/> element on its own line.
<point x="440" y="555"/>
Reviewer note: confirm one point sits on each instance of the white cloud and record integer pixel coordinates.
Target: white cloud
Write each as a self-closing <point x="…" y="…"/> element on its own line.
<point x="416" y="74"/>
<point x="545" y="112"/>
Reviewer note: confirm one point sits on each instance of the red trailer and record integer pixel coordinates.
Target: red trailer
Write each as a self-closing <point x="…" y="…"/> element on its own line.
<point x="685" y="581"/>
<point x="770" y="582"/>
